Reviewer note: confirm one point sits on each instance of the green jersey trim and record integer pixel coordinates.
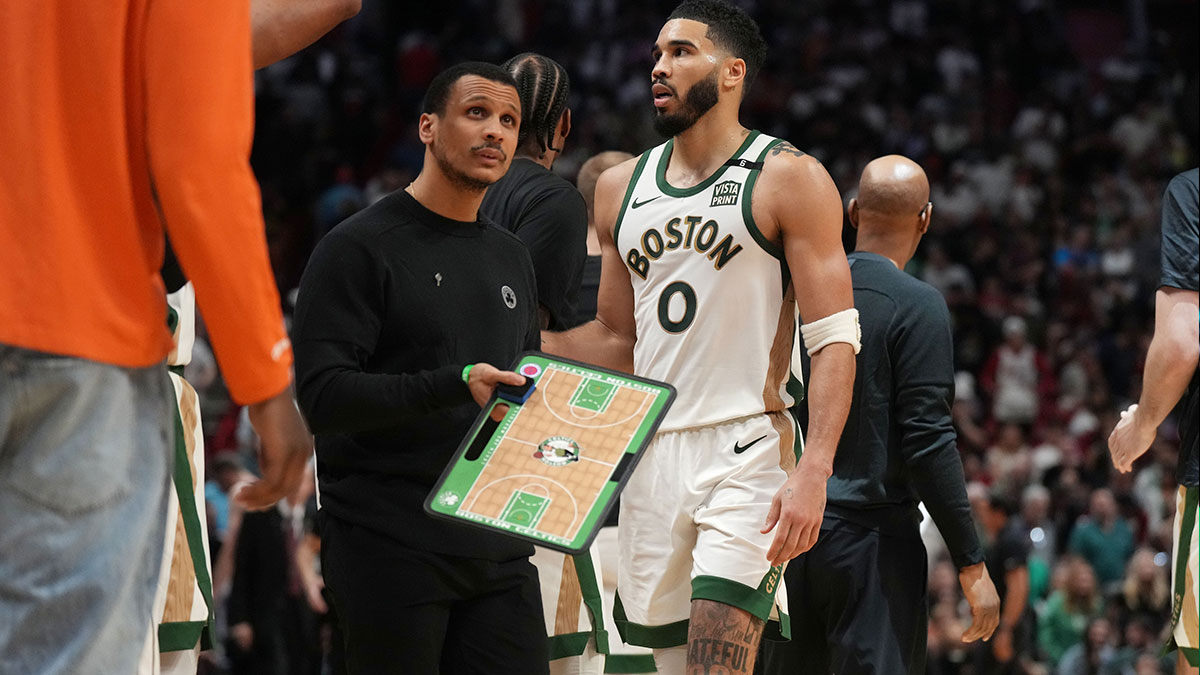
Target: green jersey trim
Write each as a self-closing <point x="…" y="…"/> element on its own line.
<point x="633" y="181"/>
<point x="747" y="209"/>
<point x="660" y="176"/>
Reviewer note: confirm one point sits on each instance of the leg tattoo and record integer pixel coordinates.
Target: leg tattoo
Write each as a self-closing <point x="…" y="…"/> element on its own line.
<point x="722" y="639"/>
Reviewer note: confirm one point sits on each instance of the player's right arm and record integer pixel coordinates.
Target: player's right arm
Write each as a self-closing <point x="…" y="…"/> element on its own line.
<point x="199" y="123"/>
<point x="608" y="339"/>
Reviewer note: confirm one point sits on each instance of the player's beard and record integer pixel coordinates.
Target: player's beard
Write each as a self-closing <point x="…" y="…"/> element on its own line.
<point x="456" y="175"/>
<point x="699" y="99"/>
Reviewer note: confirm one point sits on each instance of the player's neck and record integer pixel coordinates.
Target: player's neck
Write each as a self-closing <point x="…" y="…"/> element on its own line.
<point x="705" y="146"/>
<point x="436" y="192"/>
<point x="542" y="159"/>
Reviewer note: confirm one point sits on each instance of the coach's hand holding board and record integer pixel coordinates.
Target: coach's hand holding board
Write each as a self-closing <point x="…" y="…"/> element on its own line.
<point x="482" y="379"/>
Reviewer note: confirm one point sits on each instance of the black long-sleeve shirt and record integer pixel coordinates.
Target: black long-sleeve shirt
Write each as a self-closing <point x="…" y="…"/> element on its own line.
<point x="899" y="444"/>
<point x="393" y="304"/>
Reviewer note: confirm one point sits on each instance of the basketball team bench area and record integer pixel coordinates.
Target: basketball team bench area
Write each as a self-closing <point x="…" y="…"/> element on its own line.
<point x="550" y="468"/>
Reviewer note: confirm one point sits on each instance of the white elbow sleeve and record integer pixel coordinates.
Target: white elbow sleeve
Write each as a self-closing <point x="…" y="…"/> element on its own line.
<point x="840" y="327"/>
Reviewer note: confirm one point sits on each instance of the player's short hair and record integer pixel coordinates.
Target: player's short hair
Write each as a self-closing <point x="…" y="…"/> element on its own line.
<point x="439" y="89"/>
<point x="543" y="86"/>
<point x="731" y="29"/>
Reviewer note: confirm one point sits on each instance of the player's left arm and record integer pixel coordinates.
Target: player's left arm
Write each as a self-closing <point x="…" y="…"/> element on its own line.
<point x="281" y="28"/>
<point x="811" y="238"/>
<point x="1170" y="364"/>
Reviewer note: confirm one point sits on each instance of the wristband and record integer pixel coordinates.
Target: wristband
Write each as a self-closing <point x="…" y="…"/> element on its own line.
<point x="466" y="373"/>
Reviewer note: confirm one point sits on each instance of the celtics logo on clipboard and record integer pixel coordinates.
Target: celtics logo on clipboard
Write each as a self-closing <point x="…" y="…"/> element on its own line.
<point x="557" y="451"/>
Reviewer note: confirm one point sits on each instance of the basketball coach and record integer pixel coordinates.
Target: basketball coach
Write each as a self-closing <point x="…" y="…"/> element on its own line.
<point x="404" y="314"/>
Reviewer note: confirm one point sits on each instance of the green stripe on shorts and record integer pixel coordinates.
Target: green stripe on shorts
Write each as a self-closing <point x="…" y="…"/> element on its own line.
<point x="1191" y="500"/>
<point x="655" y="637"/>
<point x="567" y="644"/>
<point x="629" y="663"/>
<point x="589" y="586"/>
<point x="757" y="601"/>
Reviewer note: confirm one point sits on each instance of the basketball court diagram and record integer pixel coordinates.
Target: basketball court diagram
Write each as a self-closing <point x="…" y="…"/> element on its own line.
<point x="551" y="461"/>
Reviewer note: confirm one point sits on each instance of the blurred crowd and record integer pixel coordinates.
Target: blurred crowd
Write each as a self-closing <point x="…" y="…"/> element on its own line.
<point x="1048" y="130"/>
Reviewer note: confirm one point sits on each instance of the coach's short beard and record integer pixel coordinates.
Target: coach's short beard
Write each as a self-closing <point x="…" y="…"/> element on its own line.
<point x="700" y="99"/>
<point x="455" y="175"/>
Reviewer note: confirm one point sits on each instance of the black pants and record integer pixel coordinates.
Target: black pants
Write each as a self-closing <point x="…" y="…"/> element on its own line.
<point x="857" y="602"/>
<point x="403" y="610"/>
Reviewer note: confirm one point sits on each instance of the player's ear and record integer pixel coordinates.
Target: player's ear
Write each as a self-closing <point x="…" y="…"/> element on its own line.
<point x="735" y="72"/>
<point x="926" y="217"/>
<point x="852" y="212"/>
<point x="564" y="124"/>
<point x="427" y="128"/>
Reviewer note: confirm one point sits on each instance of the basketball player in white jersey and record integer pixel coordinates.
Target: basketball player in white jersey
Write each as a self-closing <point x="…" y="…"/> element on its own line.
<point x="709" y="243"/>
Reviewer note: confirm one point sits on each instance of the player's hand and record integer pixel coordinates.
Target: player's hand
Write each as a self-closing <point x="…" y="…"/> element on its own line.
<point x="1130" y="439"/>
<point x="243" y="635"/>
<point x="483" y="379"/>
<point x="285" y="449"/>
<point x="981" y="595"/>
<point x="796" y="513"/>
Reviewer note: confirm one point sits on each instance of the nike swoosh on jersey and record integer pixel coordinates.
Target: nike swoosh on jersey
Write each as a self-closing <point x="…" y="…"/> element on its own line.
<point x="636" y="203"/>
<point x="739" y="449"/>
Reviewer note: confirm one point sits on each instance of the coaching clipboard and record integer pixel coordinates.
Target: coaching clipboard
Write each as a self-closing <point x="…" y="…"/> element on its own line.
<point x="550" y="470"/>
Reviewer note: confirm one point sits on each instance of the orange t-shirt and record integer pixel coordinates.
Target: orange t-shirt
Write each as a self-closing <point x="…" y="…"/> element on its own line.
<point x="118" y="119"/>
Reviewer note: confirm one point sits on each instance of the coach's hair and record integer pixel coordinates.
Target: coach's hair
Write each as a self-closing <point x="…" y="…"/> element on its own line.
<point x="731" y="29"/>
<point x="544" y="86"/>
<point x="439" y="89"/>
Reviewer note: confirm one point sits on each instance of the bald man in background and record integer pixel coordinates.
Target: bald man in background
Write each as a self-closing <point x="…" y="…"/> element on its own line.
<point x="858" y="596"/>
<point x="589" y="173"/>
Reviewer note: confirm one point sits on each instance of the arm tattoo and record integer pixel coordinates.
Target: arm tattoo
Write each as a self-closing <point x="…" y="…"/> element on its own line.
<point x="785" y="147"/>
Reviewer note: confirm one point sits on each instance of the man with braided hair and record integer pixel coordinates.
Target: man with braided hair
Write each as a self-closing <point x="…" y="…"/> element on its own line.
<point x="550" y="216"/>
<point x="543" y="209"/>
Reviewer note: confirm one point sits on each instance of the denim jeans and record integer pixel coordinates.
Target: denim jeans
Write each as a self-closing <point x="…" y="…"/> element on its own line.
<point x="85" y="458"/>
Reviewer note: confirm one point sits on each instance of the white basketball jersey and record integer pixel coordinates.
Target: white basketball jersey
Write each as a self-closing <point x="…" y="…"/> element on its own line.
<point x="713" y="300"/>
